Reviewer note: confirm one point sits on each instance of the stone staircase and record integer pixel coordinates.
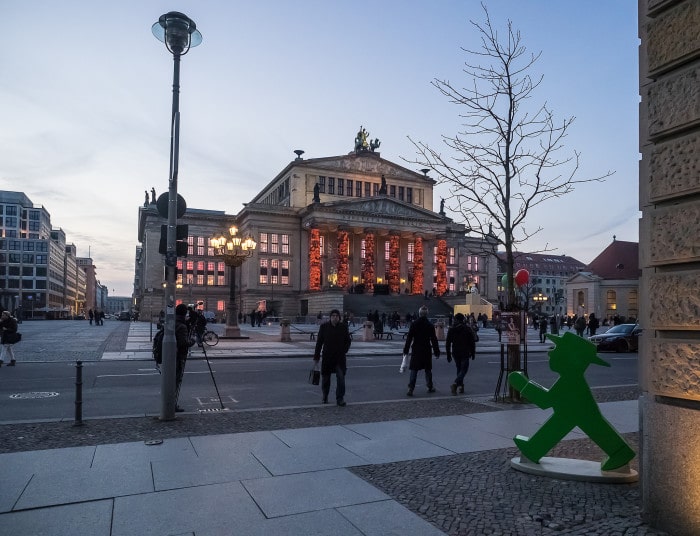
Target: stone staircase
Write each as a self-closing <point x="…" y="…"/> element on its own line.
<point x="361" y="304"/>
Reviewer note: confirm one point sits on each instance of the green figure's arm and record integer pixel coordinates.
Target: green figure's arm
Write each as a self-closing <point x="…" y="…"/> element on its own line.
<point x="534" y="392"/>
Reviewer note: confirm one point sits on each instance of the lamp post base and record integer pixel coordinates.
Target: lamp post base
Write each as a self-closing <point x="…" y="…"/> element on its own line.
<point x="232" y="332"/>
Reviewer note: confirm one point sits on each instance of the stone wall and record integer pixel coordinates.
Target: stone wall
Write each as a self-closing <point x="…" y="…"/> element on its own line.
<point x="670" y="261"/>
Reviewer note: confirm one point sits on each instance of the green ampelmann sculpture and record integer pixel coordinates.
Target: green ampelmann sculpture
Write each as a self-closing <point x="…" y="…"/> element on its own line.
<point x="572" y="401"/>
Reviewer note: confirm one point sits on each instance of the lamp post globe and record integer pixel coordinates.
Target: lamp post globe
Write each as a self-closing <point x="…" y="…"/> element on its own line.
<point x="179" y="33"/>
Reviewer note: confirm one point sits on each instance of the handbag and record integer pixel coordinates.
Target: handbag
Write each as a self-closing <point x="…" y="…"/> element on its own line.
<point x="404" y="363"/>
<point x="13" y="338"/>
<point x="315" y="375"/>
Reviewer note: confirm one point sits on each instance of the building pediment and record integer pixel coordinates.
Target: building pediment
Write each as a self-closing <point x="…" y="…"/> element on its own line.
<point x="364" y="163"/>
<point x="582" y="278"/>
<point x="377" y="213"/>
<point x="377" y="207"/>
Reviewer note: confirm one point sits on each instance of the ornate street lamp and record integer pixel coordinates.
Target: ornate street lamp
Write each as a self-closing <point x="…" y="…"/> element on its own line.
<point x="233" y="250"/>
<point x="539" y="299"/>
<point x="179" y="33"/>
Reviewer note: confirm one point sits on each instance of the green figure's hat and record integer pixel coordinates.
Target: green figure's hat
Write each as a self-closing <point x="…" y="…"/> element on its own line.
<point x="575" y="345"/>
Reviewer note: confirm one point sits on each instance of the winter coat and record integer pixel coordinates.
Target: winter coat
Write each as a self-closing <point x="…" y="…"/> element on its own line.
<point x="419" y="340"/>
<point x="181" y="337"/>
<point x="8" y="325"/>
<point x="460" y="343"/>
<point x="332" y="343"/>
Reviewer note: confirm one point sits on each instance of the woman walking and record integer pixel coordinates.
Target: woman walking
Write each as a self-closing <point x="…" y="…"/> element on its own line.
<point x="8" y="324"/>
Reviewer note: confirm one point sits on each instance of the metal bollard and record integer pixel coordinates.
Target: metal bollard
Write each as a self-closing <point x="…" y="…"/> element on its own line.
<point x="78" y="393"/>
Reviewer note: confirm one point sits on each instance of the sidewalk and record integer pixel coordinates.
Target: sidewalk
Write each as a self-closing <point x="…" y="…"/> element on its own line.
<point x="405" y="468"/>
<point x="287" y="482"/>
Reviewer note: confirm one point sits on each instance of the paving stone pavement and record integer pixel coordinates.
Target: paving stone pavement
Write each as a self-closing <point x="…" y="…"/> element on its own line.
<point x="466" y="494"/>
<point x="474" y="493"/>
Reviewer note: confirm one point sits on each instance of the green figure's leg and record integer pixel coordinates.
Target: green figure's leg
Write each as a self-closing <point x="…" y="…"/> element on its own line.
<point x="606" y="437"/>
<point x="551" y="432"/>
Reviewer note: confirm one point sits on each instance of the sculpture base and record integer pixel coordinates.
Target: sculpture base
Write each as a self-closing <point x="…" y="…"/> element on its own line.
<point x="232" y="332"/>
<point x="580" y="470"/>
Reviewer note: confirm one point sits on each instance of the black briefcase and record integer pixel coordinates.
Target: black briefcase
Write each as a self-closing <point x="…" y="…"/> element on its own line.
<point x="314" y="377"/>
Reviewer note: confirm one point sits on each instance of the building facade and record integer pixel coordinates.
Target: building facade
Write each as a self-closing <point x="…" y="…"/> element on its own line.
<point x="324" y="227"/>
<point x="669" y="199"/>
<point x="39" y="272"/>
<point x="546" y="291"/>
<point x="609" y="285"/>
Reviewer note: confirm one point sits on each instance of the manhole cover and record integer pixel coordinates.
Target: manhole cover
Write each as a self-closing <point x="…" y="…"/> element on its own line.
<point x="35" y="394"/>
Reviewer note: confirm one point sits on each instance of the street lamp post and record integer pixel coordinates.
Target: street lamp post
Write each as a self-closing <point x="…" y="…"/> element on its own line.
<point x="179" y="33"/>
<point x="557" y="298"/>
<point x="233" y="250"/>
<point x="539" y="299"/>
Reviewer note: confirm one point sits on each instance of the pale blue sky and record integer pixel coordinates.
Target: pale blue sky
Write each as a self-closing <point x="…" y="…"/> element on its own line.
<point x="86" y="99"/>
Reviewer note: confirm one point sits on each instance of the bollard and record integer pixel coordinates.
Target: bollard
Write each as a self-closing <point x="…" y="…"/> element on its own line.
<point x="285" y="334"/>
<point x="78" y="393"/>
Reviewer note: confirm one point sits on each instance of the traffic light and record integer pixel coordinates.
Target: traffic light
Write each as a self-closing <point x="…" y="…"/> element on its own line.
<point x="180" y="240"/>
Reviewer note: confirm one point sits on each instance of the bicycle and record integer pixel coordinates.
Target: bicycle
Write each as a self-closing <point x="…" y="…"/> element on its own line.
<point x="210" y="338"/>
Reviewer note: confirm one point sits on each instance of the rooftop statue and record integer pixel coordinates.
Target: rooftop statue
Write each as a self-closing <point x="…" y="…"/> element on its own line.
<point x="361" y="140"/>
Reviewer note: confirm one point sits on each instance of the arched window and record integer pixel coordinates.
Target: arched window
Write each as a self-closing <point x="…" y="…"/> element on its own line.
<point x="611" y="303"/>
<point x="632" y="305"/>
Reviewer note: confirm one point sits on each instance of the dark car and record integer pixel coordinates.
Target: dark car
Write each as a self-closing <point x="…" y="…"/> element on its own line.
<point x="125" y="315"/>
<point x="620" y="338"/>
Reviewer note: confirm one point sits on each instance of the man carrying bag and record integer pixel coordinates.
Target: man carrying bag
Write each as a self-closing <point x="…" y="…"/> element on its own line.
<point x="332" y="344"/>
<point x="460" y="344"/>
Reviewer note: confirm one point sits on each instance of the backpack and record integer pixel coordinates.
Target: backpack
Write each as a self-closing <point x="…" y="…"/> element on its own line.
<point x="158" y="346"/>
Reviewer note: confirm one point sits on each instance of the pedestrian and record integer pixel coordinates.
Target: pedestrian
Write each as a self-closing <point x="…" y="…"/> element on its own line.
<point x="91" y="315"/>
<point x="461" y="345"/>
<point x="420" y="339"/>
<point x="332" y="345"/>
<point x="182" y="341"/>
<point x="543" y="329"/>
<point x="580" y="325"/>
<point x="200" y="325"/>
<point x="593" y="324"/>
<point x="8" y="325"/>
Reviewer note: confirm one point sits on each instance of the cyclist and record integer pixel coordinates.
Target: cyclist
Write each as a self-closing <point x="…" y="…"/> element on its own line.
<point x="200" y="325"/>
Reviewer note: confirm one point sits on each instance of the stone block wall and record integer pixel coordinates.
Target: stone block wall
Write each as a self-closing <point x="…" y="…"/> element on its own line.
<point x="670" y="260"/>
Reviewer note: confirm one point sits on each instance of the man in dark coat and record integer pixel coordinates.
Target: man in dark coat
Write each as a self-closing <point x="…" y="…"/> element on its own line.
<point x="182" y="341"/>
<point x="461" y="345"/>
<point x="419" y="340"/>
<point x="332" y="343"/>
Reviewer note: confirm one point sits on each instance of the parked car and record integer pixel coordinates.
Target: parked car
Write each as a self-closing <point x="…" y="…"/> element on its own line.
<point x="620" y="338"/>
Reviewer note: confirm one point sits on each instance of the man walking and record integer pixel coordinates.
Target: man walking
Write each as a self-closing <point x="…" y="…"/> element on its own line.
<point x="332" y="344"/>
<point x="419" y="340"/>
<point x="461" y="345"/>
<point x="182" y="341"/>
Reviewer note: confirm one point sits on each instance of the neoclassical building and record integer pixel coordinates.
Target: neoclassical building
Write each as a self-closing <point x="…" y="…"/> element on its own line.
<point x="609" y="285"/>
<point x="325" y="228"/>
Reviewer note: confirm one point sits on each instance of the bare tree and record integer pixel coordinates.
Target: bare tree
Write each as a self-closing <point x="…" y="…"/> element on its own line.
<point x="506" y="160"/>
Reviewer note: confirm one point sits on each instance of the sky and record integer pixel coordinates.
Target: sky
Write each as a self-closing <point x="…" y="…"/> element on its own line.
<point x="85" y="114"/>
